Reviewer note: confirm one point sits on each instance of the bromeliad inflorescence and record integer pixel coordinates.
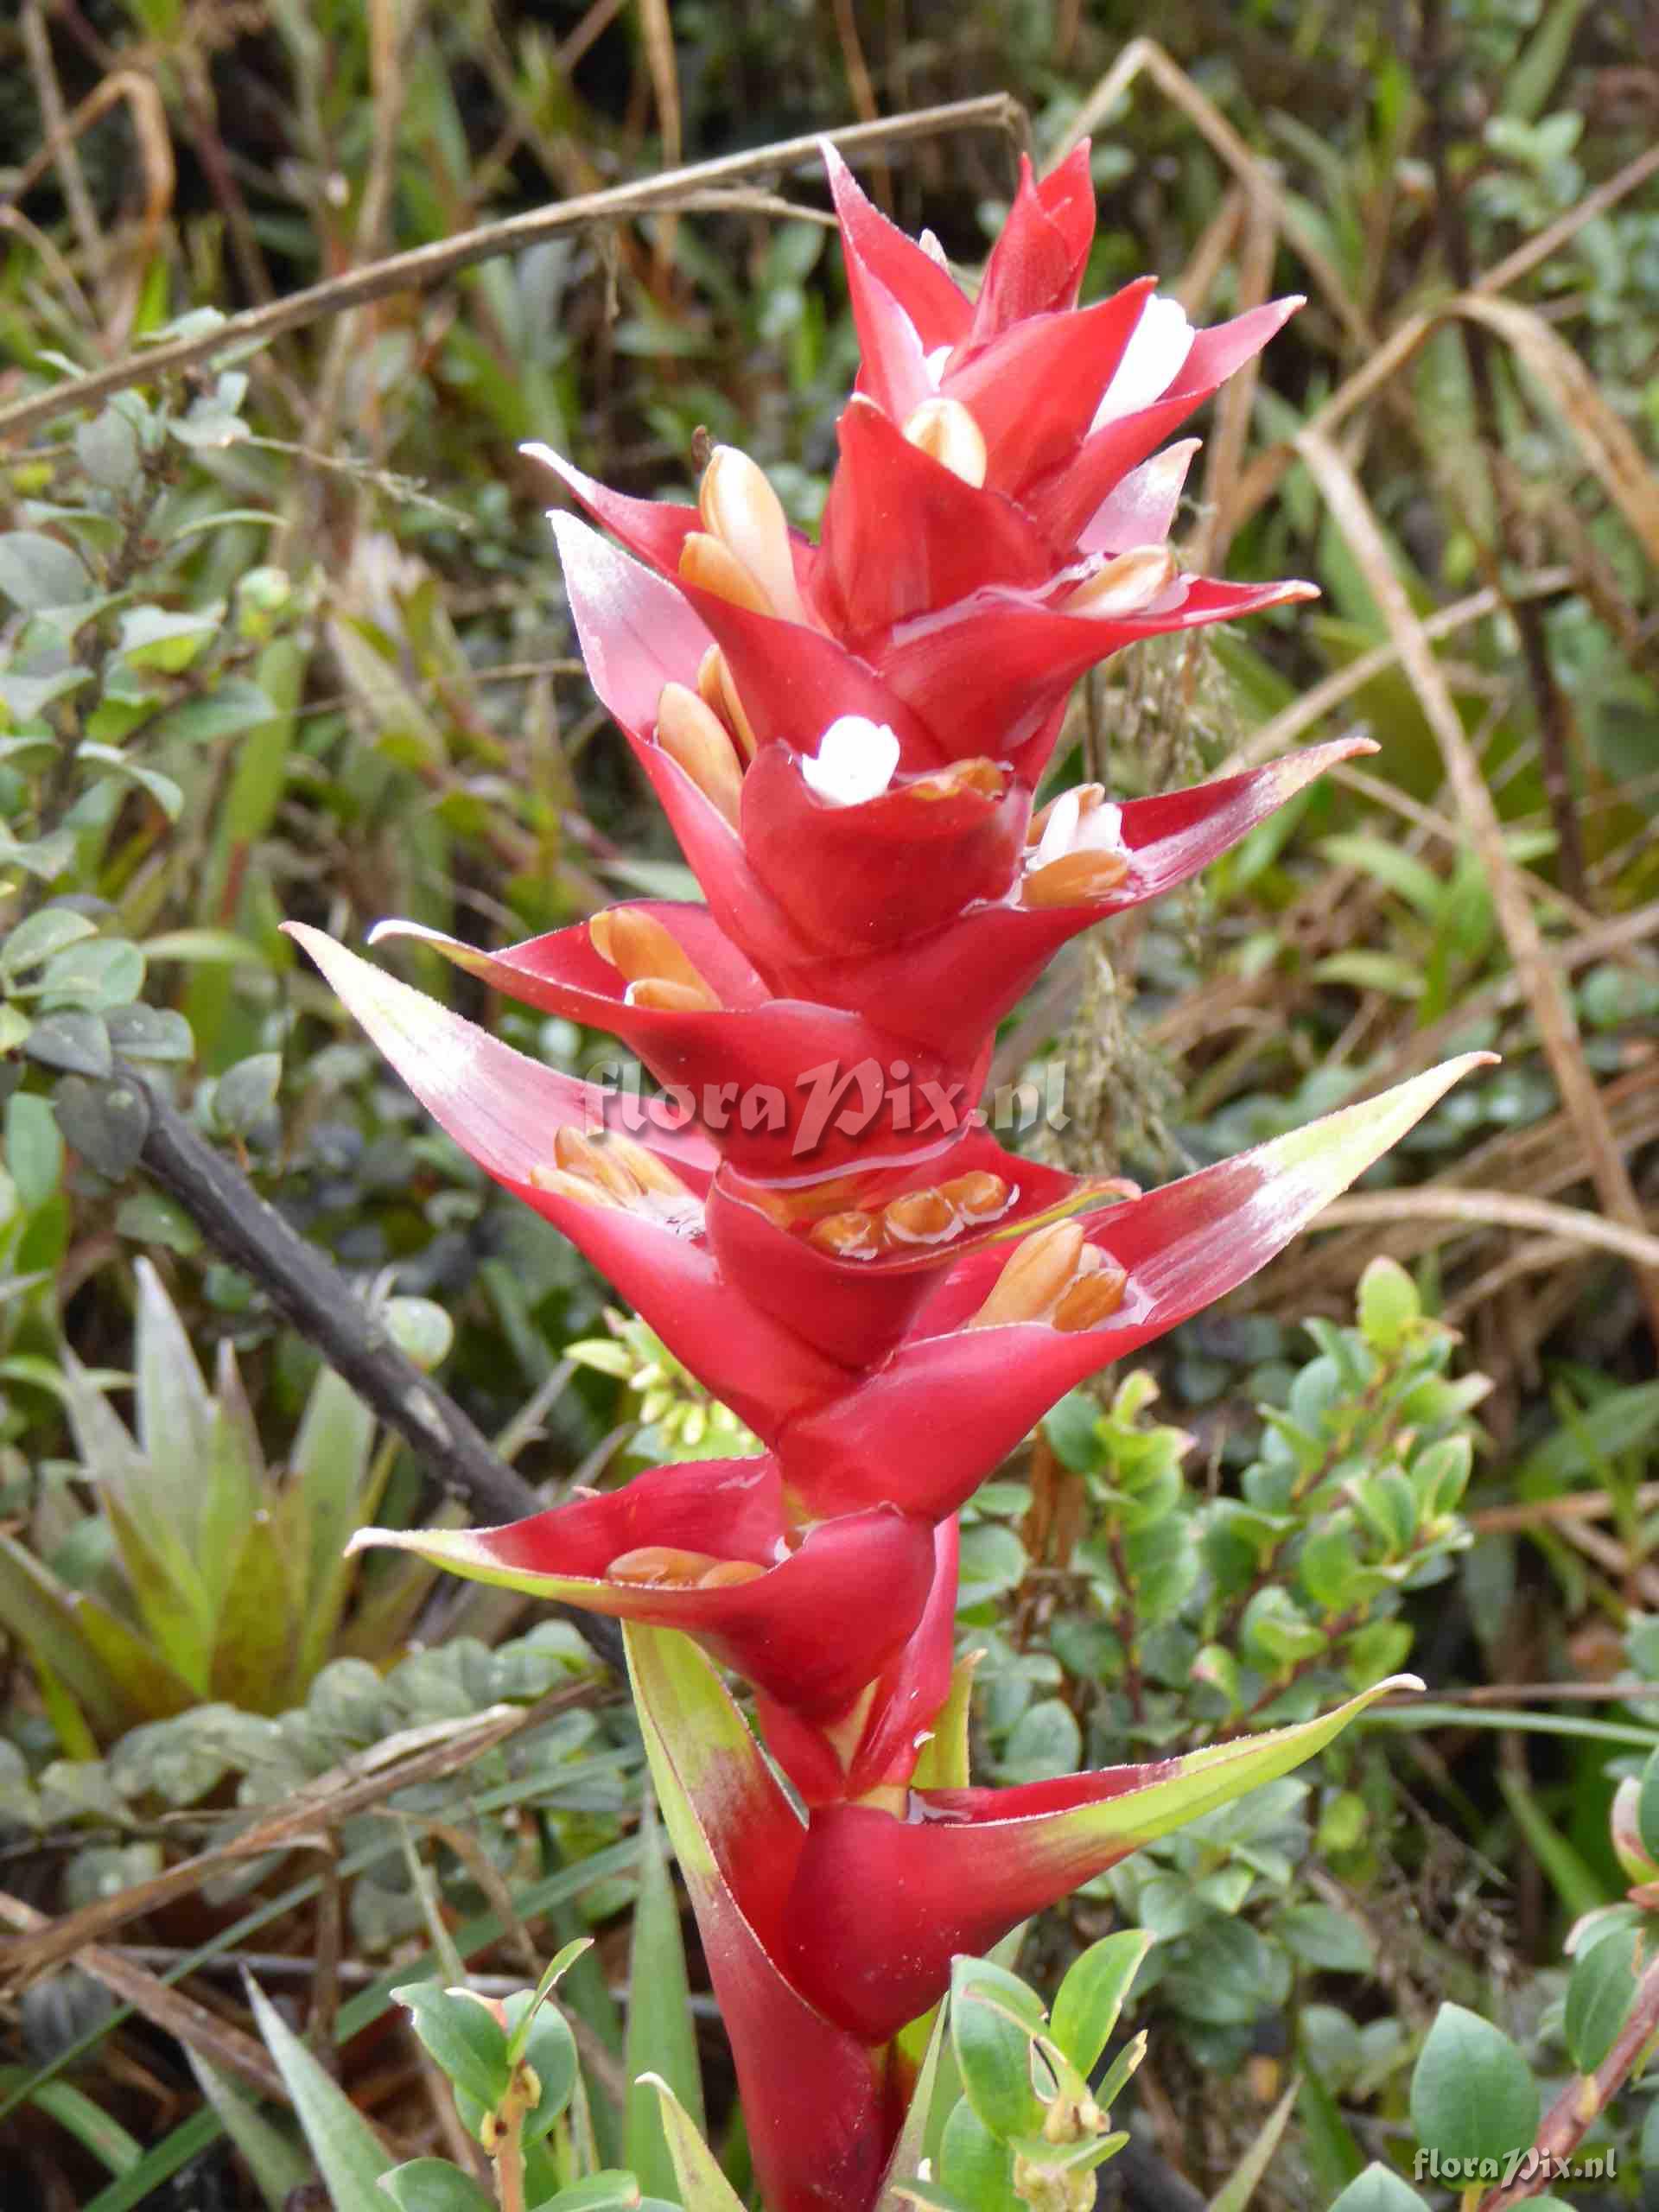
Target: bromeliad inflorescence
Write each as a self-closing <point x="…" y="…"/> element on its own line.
<point x="846" y="737"/>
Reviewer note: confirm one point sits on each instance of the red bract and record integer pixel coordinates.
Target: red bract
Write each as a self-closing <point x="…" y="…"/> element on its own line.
<point x="846" y="738"/>
<point x="709" y="1548"/>
<point x="824" y="1938"/>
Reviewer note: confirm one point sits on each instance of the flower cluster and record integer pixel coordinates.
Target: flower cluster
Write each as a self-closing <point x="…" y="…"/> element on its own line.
<point x="847" y="738"/>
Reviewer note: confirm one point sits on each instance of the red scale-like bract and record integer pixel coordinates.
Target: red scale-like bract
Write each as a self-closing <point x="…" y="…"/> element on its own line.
<point x="816" y="1220"/>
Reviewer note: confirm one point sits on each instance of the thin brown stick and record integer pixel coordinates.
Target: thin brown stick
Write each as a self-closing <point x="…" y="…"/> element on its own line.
<point x="1268" y="471"/>
<point x="413" y="1755"/>
<point x="1546" y="992"/>
<point x="168" y="2008"/>
<point x="1303" y="713"/>
<point x="1574" y="1505"/>
<point x="60" y="138"/>
<point x="425" y="264"/>
<point x="1145" y="55"/>
<point x="1495" y="1210"/>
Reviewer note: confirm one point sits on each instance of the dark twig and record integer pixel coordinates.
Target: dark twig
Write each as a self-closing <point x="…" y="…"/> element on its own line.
<point x="310" y="1293"/>
<point x="424" y="264"/>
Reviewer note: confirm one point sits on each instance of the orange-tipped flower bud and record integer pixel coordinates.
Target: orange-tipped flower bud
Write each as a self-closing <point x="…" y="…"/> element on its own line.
<point x="655" y="1563"/>
<point x="738" y="507"/>
<point x="693" y="735"/>
<point x="1126" y="585"/>
<point x="1074" y="878"/>
<point x="1038" y="1271"/>
<point x="638" y="947"/>
<point x="711" y="563"/>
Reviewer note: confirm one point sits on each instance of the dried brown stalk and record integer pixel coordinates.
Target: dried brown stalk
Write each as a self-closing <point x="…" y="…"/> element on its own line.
<point x="1540" y="975"/>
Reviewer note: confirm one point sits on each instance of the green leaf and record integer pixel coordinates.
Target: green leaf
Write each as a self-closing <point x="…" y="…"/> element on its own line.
<point x="278" y="2166"/>
<point x="1242" y="2182"/>
<point x="434" y="2185"/>
<point x="37" y="937"/>
<point x="106" y="1122"/>
<point x="78" y="1043"/>
<point x="975" y="2167"/>
<point x="1321" y="1936"/>
<point x="611" y="2190"/>
<point x="153" y="638"/>
<point x="34" y="1147"/>
<point x="1599" y="1995"/>
<point x="246" y="1094"/>
<point x="542" y="2035"/>
<point x="463" y="2036"/>
<point x="25" y="698"/>
<point x="97" y="974"/>
<point x="1647" y="1809"/>
<point x="1473" y="2093"/>
<point x="234" y="706"/>
<point x="1092" y="1995"/>
<point x="38" y="572"/>
<point x="661" y="2042"/>
<point x="150" y="1033"/>
<point x="994" y="2019"/>
<point x="1379" y="2190"/>
<point x="107" y="448"/>
<point x="702" y="2186"/>
<point x="174" y="1406"/>
<point x="166" y="793"/>
<point x="96" y="2130"/>
<point x="1389" y="1304"/>
<point x="348" y="2153"/>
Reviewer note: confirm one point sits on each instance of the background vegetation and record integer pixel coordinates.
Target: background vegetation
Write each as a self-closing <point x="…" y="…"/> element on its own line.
<point x="280" y="634"/>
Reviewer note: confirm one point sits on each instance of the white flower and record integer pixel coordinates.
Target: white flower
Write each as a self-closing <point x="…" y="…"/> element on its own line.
<point x="855" y="762"/>
<point x="1157" y="345"/>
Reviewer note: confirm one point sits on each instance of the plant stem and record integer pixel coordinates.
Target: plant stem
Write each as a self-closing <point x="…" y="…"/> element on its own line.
<point x="312" y="1294"/>
<point x="1584" y="2100"/>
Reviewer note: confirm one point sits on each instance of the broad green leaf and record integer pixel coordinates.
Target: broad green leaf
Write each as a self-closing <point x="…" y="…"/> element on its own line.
<point x="1473" y="2094"/>
<point x="1599" y="1995"/>
<point x="37" y="939"/>
<point x="38" y="572"/>
<point x="994" y="2019"/>
<point x="98" y="974"/>
<point x="463" y="2035"/>
<point x="609" y="2191"/>
<point x="34" y="1147"/>
<point x="703" y="2187"/>
<point x="661" y="2041"/>
<point x="167" y="794"/>
<point x="24" y="697"/>
<point x="1379" y="2190"/>
<point x="975" y="2167"/>
<point x="434" y="2185"/>
<point x="1091" y="1996"/>
<point x="347" y="2151"/>
<point x="233" y="706"/>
